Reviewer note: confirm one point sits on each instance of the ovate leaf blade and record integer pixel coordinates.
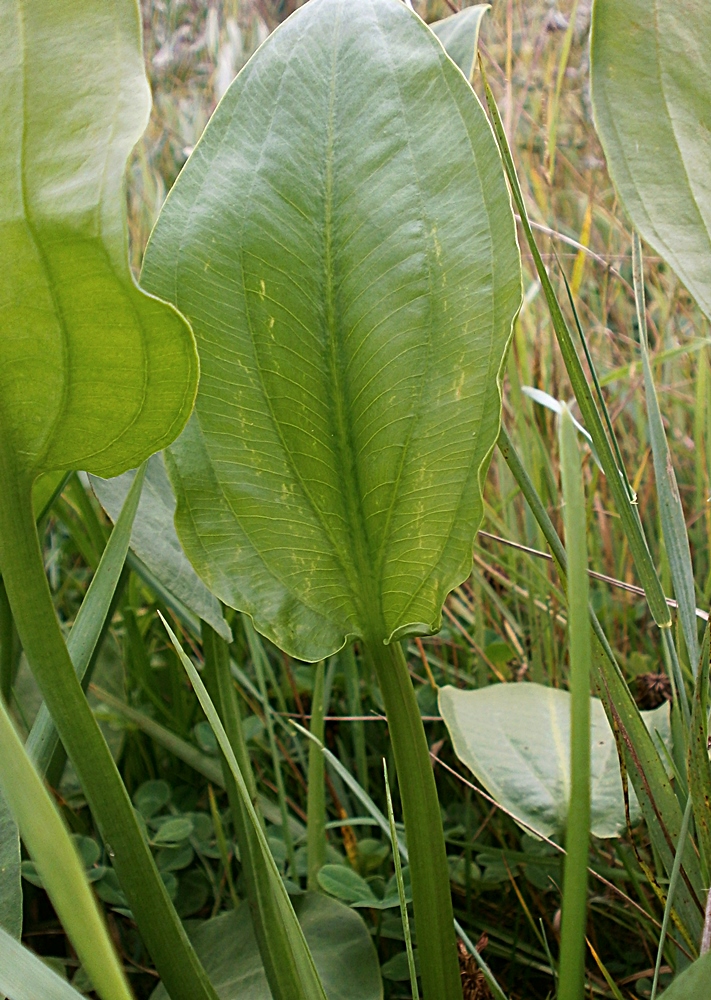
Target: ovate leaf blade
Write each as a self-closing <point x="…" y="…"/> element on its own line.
<point x="352" y="313"/>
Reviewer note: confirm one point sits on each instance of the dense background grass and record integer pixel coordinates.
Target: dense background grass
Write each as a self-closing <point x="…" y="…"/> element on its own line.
<point x="507" y="623"/>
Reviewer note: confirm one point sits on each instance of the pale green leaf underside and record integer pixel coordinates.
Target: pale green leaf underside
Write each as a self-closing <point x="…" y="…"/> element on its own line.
<point x="155" y="542"/>
<point x="339" y="941"/>
<point x="459" y="34"/>
<point x="24" y="976"/>
<point x="516" y="739"/>
<point x="692" y="983"/>
<point x="651" y="90"/>
<point x="94" y="373"/>
<point x="343" y="243"/>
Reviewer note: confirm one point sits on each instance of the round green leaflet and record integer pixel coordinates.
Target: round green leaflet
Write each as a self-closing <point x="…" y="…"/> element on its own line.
<point x="343" y="243"/>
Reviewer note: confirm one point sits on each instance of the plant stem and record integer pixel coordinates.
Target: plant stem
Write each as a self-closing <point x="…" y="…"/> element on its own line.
<point x="429" y="873"/>
<point x="316" y="806"/>
<point x="22" y="569"/>
<point x="577" y="841"/>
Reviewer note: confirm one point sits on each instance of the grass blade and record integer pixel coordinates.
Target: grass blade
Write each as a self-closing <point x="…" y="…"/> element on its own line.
<point x="676" y="538"/>
<point x="400" y="885"/>
<point x="297" y="978"/>
<point x="671" y="892"/>
<point x="699" y="772"/>
<point x="571" y="981"/>
<point x="58" y="863"/>
<point x="43" y="739"/>
<point x="624" y="504"/>
<point x="639" y="755"/>
<point x="384" y="825"/>
<point x="259" y="657"/>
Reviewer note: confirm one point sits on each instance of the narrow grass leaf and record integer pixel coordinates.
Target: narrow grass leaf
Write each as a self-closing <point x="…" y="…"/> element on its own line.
<point x="43" y="739"/>
<point x="699" y="770"/>
<point x="671" y="512"/>
<point x="671" y="892"/>
<point x="643" y="763"/>
<point x="624" y="505"/>
<point x="400" y="888"/>
<point x="297" y="975"/>
<point x="571" y="973"/>
<point x="58" y="863"/>
<point x="384" y="825"/>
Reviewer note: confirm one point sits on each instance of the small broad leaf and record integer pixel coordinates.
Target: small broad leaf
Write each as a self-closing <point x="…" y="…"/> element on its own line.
<point x="459" y="34"/>
<point x="342" y="241"/>
<point x="154" y="541"/>
<point x="173" y="831"/>
<point x="337" y="937"/>
<point x="692" y="983"/>
<point x="94" y="374"/>
<point x="152" y="796"/>
<point x="347" y="885"/>
<point x="516" y="740"/>
<point x="651" y="92"/>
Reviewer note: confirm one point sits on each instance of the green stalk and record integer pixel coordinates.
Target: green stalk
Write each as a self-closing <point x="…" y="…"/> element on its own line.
<point x="429" y="873"/>
<point x="316" y="805"/>
<point x="57" y="861"/>
<point x="571" y="983"/>
<point x="22" y="569"/>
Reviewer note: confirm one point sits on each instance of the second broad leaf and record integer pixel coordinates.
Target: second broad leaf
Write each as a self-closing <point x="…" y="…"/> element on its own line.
<point x="516" y="740"/>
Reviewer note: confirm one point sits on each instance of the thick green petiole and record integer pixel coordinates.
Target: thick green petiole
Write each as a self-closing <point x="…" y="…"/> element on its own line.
<point x="22" y="569"/>
<point x="577" y="840"/>
<point x="423" y="826"/>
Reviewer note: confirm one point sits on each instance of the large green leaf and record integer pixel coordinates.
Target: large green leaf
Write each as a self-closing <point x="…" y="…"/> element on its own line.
<point x="651" y="91"/>
<point x="516" y="740"/>
<point x="339" y="941"/>
<point x="343" y="244"/>
<point x="155" y="542"/>
<point x="94" y="373"/>
<point x="459" y="34"/>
